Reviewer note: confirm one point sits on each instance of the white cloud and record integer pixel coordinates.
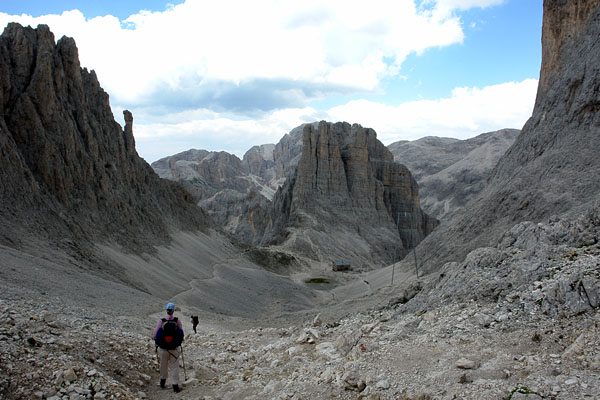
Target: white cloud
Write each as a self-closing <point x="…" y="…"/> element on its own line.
<point x="226" y="75"/>
<point x="204" y="129"/>
<point x="467" y="113"/>
<point x="445" y="7"/>
<point x="466" y="4"/>
<point x="338" y="43"/>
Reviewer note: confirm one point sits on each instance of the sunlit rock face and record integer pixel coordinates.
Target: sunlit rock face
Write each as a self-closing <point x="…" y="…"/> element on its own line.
<point x="451" y="172"/>
<point x="552" y="167"/>
<point x="348" y="199"/>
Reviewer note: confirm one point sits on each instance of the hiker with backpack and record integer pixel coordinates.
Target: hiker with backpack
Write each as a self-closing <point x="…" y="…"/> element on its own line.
<point x="168" y="337"/>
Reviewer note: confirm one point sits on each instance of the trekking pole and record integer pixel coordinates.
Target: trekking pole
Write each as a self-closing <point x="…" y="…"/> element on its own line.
<point x="183" y="360"/>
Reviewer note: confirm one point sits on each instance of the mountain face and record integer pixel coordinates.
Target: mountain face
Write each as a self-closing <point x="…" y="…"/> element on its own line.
<point x="339" y="194"/>
<point x="85" y="221"/>
<point x="68" y="170"/>
<point x="235" y="193"/>
<point x="553" y="165"/>
<point x="347" y="199"/>
<point x="205" y="173"/>
<point x="450" y="172"/>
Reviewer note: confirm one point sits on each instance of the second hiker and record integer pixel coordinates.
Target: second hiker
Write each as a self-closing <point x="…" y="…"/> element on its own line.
<point x="168" y="336"/>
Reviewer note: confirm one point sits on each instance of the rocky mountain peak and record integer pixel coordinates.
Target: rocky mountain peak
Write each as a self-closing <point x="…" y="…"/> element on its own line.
<point x="348" y="189"/>
<point x="450" y="172"/>
<point x="68" y="165"/>
<point x="259" y="159"/>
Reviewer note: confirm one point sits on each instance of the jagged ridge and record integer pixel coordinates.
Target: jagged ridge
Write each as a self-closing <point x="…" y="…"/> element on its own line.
<point x="67" y="167"/>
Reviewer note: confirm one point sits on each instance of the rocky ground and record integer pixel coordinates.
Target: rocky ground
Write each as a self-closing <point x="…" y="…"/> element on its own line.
<point x="55" y="352"/>
<point x="518" y="321"/>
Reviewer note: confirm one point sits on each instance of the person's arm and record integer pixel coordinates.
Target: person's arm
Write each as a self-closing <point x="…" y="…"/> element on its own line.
<point x="158" y="326"/>
<point x="180" y="326"/>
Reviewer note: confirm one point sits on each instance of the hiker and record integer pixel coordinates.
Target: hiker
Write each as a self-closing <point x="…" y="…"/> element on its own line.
<point x="168" y="336"/>
<point x="195" y="322"/>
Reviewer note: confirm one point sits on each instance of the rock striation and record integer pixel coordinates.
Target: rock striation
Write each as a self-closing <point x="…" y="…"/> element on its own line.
<point x="450" y="172"/>
<point x="552" y="167"/>
<point x="339" y="194"/>
<point x="287" y="153"/>
<point x="224" y="186"/>
<point x="205" y="173"/>
<point x="68" y="170"/>
<point x="348" y="199"/>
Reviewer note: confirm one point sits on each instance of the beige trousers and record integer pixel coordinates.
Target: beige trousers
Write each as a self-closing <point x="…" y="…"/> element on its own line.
<point x="169" y="366"/>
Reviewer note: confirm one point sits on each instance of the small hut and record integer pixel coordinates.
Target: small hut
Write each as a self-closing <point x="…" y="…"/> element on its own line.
<point x="341" y="266"/>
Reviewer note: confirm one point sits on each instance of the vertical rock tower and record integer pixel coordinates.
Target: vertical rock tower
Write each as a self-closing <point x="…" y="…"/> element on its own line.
<point x="349" y="199"/>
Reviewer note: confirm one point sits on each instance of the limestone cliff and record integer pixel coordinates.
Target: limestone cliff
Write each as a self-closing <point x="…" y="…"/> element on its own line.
<point x="450" y="172"/>
<point x="236" y="193"/>
<point x="340" y="195"/>
<point x="259" y="160"/>
<point x="68" y="170"/>
<point x="552" y="168"/>
<point x="345" y="199"/>
<point x="204" y="173"/>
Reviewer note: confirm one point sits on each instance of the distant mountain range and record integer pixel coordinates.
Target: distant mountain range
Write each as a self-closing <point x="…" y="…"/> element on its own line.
<point x="239" y="194"/>
<point x="450" y="172"/>
<point x="72" y="181"/>
<point x="326" y="191"/>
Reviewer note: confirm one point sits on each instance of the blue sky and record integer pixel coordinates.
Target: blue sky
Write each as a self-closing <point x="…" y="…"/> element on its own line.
<point x="232" y="74"/>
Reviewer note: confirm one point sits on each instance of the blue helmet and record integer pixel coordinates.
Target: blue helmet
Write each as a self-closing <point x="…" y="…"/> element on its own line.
<point x="170" y="307"/>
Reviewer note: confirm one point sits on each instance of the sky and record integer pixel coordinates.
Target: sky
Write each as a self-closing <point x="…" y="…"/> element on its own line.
<point x="231" y="74"/>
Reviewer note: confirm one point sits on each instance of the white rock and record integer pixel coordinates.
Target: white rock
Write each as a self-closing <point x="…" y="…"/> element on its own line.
<point x="69" y="375"/>
<point x="314" y="333"/>
<point x="501" y="317"/>
<point x="383" y="384"/>
<point x="148" y="378"/>
<point x="292" y="351"/>
<point x="276" y="363"/>
<point x="368" y="327"/>
<point x="328" y="350"/>
<point x="483" y="320"/>
<point x="571" y="381"/>
<point x="328" y="375"/>
<point x="191" y="382"/>
<point x="317" y="321"/>
<point x="463" y="363"/>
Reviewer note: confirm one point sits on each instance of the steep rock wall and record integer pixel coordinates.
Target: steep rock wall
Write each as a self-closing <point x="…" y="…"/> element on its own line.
<point x="346" y="196"/>
<point x="552" y="168"/>
<point x="68" y="169"/>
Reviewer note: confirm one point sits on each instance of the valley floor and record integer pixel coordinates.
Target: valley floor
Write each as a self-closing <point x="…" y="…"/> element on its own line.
<point x="460" y="351"/>
<point x="519" y="321"/>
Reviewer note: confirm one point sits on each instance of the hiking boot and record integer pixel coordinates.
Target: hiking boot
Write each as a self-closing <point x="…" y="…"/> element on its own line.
<point x="176" y="388"/>
<point x="162" y="383"/>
